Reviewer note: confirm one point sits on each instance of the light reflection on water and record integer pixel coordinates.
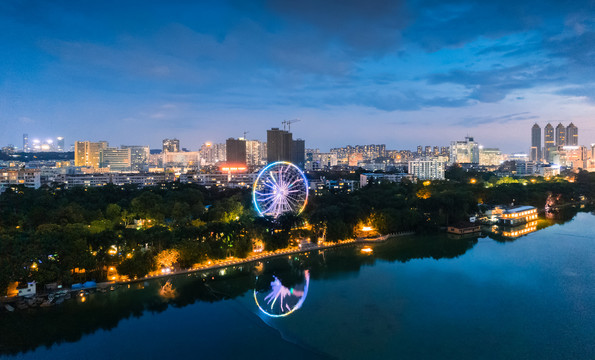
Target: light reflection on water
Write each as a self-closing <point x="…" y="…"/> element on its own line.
<point x="421" y="297"/>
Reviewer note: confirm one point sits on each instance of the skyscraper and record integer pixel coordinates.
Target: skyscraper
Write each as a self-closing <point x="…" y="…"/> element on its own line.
<point x="236" y="150"/>
<point x="535" y="143"/>
<point x="572" y="135"/>
<point x="560" y="135"/>
<point x="548" y="140"/>
<point x="279" y="144"/>
<point x="25" y="142"/>
<point x="171" y="145"/>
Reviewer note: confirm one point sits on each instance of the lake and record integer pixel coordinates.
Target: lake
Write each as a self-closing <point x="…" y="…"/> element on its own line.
<point x="416" y="297"/>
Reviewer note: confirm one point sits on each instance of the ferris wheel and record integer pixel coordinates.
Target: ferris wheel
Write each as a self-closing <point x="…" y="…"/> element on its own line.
<point x="279" y="188"/>
<point x="279" y="300"/>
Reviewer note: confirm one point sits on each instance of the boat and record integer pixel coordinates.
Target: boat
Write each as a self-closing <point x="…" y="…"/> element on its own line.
<point x="8" y="307"/>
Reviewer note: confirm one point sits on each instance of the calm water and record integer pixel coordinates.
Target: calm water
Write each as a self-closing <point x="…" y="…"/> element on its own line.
<point x="422" y="297"/>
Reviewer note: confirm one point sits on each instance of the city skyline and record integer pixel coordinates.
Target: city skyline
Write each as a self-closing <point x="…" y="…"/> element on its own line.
<point x="153" y="71"/>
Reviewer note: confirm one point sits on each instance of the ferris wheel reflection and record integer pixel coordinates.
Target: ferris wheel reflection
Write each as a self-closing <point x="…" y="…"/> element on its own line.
<point x="279" y="300"/>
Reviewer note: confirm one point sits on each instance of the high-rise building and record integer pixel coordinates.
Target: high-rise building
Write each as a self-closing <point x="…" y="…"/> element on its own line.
<point x="548" y="141"/>
<point x="255" y="152"/>
<point x="236" y="150"/>
<point x="25" y="142"/>
<point x="279" y="145"/>
<point x="298" y="152"/>
<point x="436" y="151"/>
<point x="536" y="143"/>
<point x="115" y="159"/>
<point x="572" y="135"/>
<point x="139" y="157"/>
<point x="211" y="154"/>
<point x="171" y="145"/>
<point x="427" y="169"/>
<point x="464" y="152"/>
<point x="560" y="135"/>
<point x="419" y="150"/>
<point x="60" y="143"/>
<point x="86" y="153"/>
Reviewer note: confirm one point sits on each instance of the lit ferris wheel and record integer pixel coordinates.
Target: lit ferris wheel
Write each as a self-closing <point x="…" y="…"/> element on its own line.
<point x="279" y="188"/>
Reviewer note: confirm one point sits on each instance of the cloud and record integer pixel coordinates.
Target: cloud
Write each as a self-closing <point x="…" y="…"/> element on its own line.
<point x="496" y="119"/>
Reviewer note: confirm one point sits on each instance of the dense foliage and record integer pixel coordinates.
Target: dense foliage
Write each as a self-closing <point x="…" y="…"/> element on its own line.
<point x="57" y="235"/>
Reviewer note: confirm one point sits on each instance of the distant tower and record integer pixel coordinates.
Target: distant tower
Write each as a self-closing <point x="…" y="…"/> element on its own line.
<point x="60" y="143"/>
<point x="535" y="143"/>
<point x="548" y="140"/>
<point x="279" y="145"/>
<point x="572" y="135"/>
<point x="560" y="135"/>
<point x="25" y="142"/>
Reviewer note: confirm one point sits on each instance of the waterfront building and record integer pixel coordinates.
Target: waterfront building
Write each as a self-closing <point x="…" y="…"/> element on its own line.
<point x="571" y="135"/>
<point x="171" y="145"/>
<point x="115" y="159"/>
<point x="518" y="215"/>
<point x="139" y="157"/>
<point x="86" y="153"/>
<point x="464" y="228"/>
<point x="464" y="152"/>
<point x="30" y="178"/>
<point x="429" y="169"/>
<point x="536" y="143"/>
<point x="560" y="135"/>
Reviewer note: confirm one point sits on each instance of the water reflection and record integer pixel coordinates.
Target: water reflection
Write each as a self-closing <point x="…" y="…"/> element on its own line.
<point x="279" y="300"/>
<point x="168" y="291"/>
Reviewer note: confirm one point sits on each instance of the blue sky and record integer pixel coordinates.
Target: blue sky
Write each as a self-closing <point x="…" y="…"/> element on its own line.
<point x="397" y="72"/>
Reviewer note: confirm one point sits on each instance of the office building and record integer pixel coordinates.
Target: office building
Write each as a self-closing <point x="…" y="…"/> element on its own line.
<point x="279" y="145"/>
<point x="431" y="169"/>
<point x="560" y="135"/>
<point x="86" y="153"/>
<point x="571" y="135"/>
<point x="464" y="152"/>
<point x="139" y="157"/>
<point x="171" y="145"/>
<point x="236" y="151"/>
<point x="536" y="143"/>
<point x="115" y="159"/>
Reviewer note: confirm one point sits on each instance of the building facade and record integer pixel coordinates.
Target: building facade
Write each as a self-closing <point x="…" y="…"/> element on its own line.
<point x="430" y="169"/>
<point x="571" y="135"/>
<point x="536" y="143"/>
<point x="87" y="153"/>
<point x="464" y="152"/>
<point x="171" y="145"/>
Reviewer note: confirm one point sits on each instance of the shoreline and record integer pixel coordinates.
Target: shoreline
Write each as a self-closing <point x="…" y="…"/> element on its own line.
<point x="269" y="255"/>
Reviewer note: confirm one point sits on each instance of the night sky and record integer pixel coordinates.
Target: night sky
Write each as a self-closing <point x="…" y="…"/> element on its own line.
<point x="401" y="73"/>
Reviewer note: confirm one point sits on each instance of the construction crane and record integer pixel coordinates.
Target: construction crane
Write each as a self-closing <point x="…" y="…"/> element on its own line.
<point x="288" y="123"/>
<point x="245" y="132"/>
